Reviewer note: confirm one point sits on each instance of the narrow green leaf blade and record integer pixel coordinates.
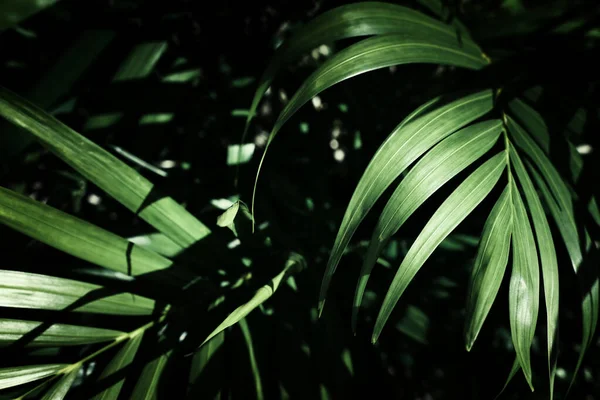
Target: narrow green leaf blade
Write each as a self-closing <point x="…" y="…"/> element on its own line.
<point x="490" y="266"/>
<point x="59" y="390"/>
<point x="12" y="330"/>
<point x="105" y="170"/>
<point x="294" y="264"/>
<point x="548" y="260"/>
<point x="524" y="289"/>
<point x="15" y="376"/>
<point x="147" y="385"/>
<point x="253" y="364"/>
<point x="34" y="291"/>
<point x="76" y="237"/>
<point x="120" y="361"/>
<point x="452" y="212"/>
<point x="404" y="145"/>
<point x="437" y="167"/>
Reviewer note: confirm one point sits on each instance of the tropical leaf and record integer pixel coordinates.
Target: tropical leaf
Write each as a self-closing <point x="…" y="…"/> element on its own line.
<point x="106" y="171"/>
<point x="548" y="260"/>
<point x="294" y="264"/>
<point x="437" y="167"/>
<point x="12" y="330"/>
<point x="34" y="291"/>
<point x="490" y="266"/>
<point x="404" y="145"/>
<point x="59" y="390"/>
<point x="119" y="362"/>
<point x="76" y="237"/>
<point x="15" y="376"/>
<point x="452" y="212"/>
<point x="352" y="20"/>
<point x="524" y="288"/>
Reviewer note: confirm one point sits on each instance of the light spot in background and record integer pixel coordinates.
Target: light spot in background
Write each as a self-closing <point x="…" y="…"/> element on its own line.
<point x="186" y="165"/>
<point x="156" y="118"/>
<point x="334" y="144"/>
<point x="237" y="155"/>
<point x="336" y="132"/>
<point x="561" y="373"/>
<point x="357" y="141"/>
<point x="339" y="155"/>
<point x="315" y="53"/>
<point x="317" y="103"/>
<point x="223" y="204"/>
<point x="265" y="109"/>
<point x="584" y="149"/>
<point x="37" y="185"/>
<point x="343" y="107"/>
<point x="304" y="127"/>
<point x="224" y="284"/>
<point x="283" y="96"/>
<point x="166" y="164"/>
<point x="182" y="336"/>
<point x="90" y="368"/>
<point x="233" y="244"/>
<point x="94" y="199"/>
<point x="393" y="69"/>
<point x="261" y="139"/>
<point x="324" y="50"/>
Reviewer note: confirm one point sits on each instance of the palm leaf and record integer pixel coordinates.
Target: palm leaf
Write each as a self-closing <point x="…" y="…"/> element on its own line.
<point x="524" y="284"/>
<point x="105" y="170"/>
<point x="437" y="167"/>
<point x="402" y="147"/>
<point x="452" y="212"/>
<point x="76" y="237"/>
<point x="548" y="260"/>
<point x="15" y="376"/>
<point x="352" y="20"/>
<point x="147" y="385"/>
<point x="34" y="291"/>
<point x="490" y="266"/>
<point x="12" y="330"/>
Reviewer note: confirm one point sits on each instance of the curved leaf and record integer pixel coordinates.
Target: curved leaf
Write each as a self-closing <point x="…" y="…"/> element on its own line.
<point x="105" y="170"/>
<point x="12" y="330"/>
<point x="76" y="237"/>
<point x="490" y="266"/>
<point x="402" y="147"/>
<point x="437" y="167"/>
<point x="352" y="20"/>
<point x="548" y="260"/>
<point x="452" y="212"/>
<point x="15" y="376"/>
<point x="34" y="291"/>
<point x="524" y="290"/>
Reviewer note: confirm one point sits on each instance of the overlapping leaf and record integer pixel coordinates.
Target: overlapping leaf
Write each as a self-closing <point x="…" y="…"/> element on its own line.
<point x="437" y="167"/>
<point x="147" y="385"/>
<point x="490" y="266"/>
<point x="106" y="171"/>
<point x="76" y="237"/>
<point x="405" y="144"/>
<point x="34" y="291"/>
<point x="59" y="390"/>
<point x="12" y="330"/>
<point x="452" y="212"/>
<point x="15" y="376"/>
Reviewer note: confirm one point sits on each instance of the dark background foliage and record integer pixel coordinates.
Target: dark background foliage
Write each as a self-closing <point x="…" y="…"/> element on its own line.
<point x="65" y="59"/>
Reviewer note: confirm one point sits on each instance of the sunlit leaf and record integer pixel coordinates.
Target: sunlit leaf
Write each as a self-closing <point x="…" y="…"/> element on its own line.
<point x="119" y="362"/>
<point x="253" y="364"/>
<point x="34" y="291"/>
<point x="15" y="376"/>
<point x="12" y="330"/>
<point x="548" y="260"/>
<point x="490" y="266"/>
<point x="105" y="170"/>
<point x="524" y="287"/>
<point x="452" y="212"/>
<point x="417" y="134"/>
<point x="442" y="163"/>
<point x="76" y="237"/>
<point x="141" y="61"/>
